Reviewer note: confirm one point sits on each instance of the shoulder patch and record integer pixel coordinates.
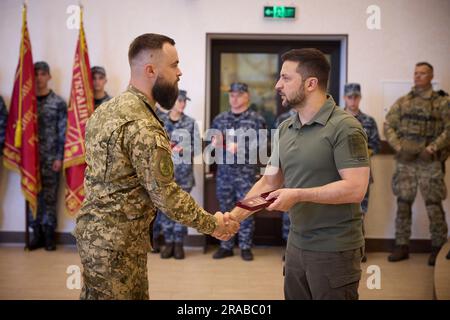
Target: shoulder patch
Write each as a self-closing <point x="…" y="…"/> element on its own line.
<point x="163" y="167"/>
<point x="358" y="146"/>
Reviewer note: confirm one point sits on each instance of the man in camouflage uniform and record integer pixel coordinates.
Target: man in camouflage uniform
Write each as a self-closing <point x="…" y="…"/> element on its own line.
<point x="352" y="98"/>
<point x="234" y="180"/>
<point x="3" y="122"/>
<point x="98" y="82"/>
<point x="183" y="132"/>
<point x="285" y="222"/>
<point x="418" y="128"/>
<point x="52" y="121"/>
<point x="129" y="175"/>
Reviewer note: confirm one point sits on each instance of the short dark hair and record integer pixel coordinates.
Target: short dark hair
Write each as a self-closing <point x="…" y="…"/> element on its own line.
<point x="311" y="63"/>
<point x="424" y="63"/>
<point x="147" y="41"/>
<point x="41" y="66"/>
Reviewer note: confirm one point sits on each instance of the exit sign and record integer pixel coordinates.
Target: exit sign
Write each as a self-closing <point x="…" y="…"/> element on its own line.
<point x="279" y="12"/>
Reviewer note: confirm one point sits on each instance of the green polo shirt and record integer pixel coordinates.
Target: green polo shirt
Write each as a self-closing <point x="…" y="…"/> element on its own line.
<point x="311" y="155"/>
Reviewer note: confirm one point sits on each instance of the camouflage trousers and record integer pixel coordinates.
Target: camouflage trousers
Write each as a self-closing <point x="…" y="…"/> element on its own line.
<point x="285" y="224"/>
<point x="232" y="184"/>
<point x="429" y="177"/>
<point x="172" y="230"/>
<point x="47" y="198"/>
<point x="112" y="275"/>
<point x="365" y="202"/>
<point x="157" y="227"/>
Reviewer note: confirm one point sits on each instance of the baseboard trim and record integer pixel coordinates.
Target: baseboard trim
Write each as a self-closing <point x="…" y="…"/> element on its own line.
<point x="387" y="245"/>
<point x="197" y="240"/>
<point x="64" y="238"/>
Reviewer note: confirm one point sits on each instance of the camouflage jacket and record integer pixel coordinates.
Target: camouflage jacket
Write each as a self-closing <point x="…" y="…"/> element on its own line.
<point x="52" y="122"/>
<point x="418" y="120"/>
<point x="370" y="127"/>
<point x="184" y="133"/>
<point x="129" y="174"/>
<point x="3" y="123"/>
<point x="229" y="124"/>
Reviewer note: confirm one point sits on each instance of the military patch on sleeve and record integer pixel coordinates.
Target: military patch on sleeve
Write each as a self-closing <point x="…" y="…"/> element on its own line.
<point x="163" y="166"/>
<point x="358" y="146"/>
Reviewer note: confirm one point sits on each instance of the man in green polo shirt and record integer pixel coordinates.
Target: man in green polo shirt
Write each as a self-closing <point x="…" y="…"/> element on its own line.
<point x="319" y="170"/>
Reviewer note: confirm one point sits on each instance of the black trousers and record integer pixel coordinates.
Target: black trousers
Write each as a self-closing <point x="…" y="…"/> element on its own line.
<point x="322" y="275"/>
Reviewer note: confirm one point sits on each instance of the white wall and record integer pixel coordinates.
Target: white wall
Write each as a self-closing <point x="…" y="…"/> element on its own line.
<point x="411" y="30"/>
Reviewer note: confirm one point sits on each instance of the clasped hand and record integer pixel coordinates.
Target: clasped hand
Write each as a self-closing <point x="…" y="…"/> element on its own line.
<point x="227" y="226"/>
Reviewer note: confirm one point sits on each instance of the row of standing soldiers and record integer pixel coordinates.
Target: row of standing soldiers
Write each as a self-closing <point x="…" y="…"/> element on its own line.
<point x="417" y="127"/>
<point x="52" y="122"/>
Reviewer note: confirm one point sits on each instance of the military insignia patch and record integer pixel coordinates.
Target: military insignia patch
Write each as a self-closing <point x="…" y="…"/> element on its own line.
<point x="358" y="146"/>
<point x="164" y="165"/>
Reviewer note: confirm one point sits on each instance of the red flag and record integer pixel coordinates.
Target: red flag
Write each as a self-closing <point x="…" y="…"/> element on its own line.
<point x="21" y="151"/>
<point x="81" y="106"/>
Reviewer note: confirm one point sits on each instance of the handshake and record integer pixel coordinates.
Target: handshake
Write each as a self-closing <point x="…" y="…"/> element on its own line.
<point x="227" y="226"/>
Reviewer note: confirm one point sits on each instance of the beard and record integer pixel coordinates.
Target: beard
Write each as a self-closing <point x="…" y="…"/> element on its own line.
<point x="298" y="100"/>
<point x="165" y="93"/>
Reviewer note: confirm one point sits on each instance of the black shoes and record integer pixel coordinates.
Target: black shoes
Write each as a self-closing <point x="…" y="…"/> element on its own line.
<point x="50" y="243"/>
<point x="43" y="240"/>
<point x="168" y="251"/>
<point x="247" y="255"/>
<point x="158" y="242"/>
<point x="178" y="251"/>
<point x="222" y="253"/>
<point x="38" y="240"/>
<point x="173" y="250"/>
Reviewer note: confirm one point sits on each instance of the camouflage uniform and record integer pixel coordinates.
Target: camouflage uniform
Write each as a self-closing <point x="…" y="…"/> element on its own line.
<point x="129" y="174"/>
<point x="285" y="215"/>
<point x="184" y="172"/>
<point x="370" y="127"/>
<point x="157" y="226"/>
<point x="3" y="122"/>
<point x="415" y="121"/>
<point x="235" y="180"/>
<point x="52" y="122"/>
<point x="98" y="102"/>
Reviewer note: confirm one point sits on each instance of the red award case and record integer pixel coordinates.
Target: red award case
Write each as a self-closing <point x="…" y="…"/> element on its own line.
<point x="256" y="203"/>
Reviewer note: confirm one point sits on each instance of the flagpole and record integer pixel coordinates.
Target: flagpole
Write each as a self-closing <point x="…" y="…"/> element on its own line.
<point x="18" y="133"/>
<point x="27" y="228"/>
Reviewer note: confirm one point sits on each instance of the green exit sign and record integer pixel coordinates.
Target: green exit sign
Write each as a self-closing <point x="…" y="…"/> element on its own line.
<point x="279" y="12"/>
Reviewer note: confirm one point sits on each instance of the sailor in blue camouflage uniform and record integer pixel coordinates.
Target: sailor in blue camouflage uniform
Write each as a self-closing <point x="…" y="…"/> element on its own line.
<point x="3" y="122"/>
<point x="234" y="180"/>
<point x="285" y="216"/>
<point x="161" y="112"/>
<point x="352" y="98"/>
<point x="52" y="121"/>
<point x="98" y="83"/>
<point x="186" y="143"/>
